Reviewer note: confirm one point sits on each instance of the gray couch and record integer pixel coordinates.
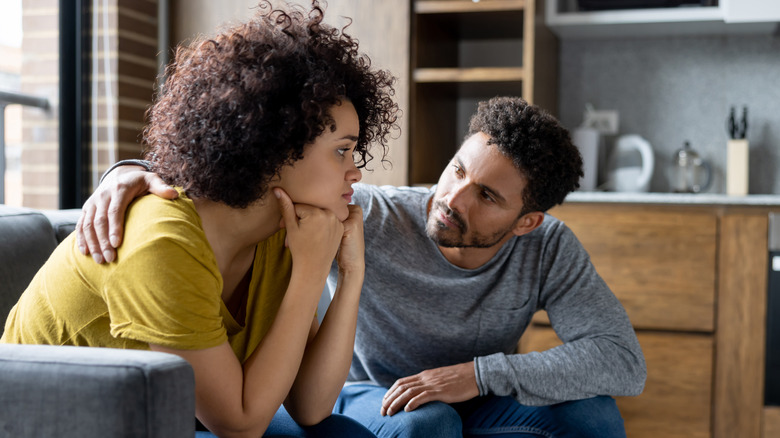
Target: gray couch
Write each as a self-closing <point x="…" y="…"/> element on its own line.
<point x="60" y="391"/>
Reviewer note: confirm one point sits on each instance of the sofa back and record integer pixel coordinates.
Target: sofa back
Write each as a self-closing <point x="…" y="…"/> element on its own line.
<point x="27" y="238"/>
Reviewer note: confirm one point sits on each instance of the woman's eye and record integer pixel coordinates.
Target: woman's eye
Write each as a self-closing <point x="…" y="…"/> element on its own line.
<point x="343" y="151"/>
<point x="458" y="170"/>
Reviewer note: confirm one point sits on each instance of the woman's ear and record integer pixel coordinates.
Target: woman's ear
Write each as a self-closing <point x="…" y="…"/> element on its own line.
<point x="528" y="222"/>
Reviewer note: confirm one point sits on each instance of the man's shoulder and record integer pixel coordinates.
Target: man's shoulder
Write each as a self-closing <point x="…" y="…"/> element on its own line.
<point x="552" y="231"/>
<point x="368" y="194"/>
<point x="391" y="191"/>
<point x="550" y="226"/>
<point x="554" y="235"/>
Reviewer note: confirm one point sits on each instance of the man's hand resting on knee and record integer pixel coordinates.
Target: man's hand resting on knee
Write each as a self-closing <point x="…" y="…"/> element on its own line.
<point x="452" y="384"/>
<point x="100" y="228"/>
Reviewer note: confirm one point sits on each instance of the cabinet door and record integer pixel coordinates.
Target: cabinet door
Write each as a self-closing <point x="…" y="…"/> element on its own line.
<point x="676" y="402"/>
<point x="750" y="11"/>
<point x="659" y="262"/>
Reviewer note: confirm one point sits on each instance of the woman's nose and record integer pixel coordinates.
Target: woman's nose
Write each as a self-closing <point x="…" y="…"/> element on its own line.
<point x="354" y="174"/>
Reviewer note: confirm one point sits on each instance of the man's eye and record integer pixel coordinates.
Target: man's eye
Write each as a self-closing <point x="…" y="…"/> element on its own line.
<point x="458" y="170"/>
<point x="486" y="196"/>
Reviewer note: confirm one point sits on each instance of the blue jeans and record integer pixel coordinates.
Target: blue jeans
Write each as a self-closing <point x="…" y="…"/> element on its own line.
<point x="483" y="416"/>
<point x="282" y="425"/>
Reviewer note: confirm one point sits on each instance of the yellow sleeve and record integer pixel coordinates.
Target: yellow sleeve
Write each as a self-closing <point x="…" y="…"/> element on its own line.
<point x="166" y="288"/>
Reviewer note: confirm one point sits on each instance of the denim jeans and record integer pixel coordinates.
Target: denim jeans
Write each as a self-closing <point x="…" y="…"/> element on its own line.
<point x="491" y="416"/>
<point x="282" y="425"/>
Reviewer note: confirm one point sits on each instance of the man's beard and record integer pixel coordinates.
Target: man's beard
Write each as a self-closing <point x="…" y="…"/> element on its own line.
<point x="448" y="238"/>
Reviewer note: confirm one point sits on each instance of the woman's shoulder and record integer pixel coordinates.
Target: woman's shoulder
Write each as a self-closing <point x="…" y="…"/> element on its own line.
<point x="159" y="210"/>
<point x="151" y="218"/>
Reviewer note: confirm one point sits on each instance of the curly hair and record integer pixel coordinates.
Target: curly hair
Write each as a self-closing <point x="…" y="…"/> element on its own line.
<point x="538" y="146"/>
<point x="239" y="106"/>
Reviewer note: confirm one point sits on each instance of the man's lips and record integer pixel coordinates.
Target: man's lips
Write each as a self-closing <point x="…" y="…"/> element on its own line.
<point x="447" y="221"/>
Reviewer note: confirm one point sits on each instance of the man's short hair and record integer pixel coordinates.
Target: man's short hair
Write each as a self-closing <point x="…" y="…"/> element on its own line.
<point x="538" y="145"/>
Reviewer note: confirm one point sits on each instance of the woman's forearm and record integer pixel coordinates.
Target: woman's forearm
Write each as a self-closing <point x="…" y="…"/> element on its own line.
<point x="328" y="356"/>
<point x="243" y="403"/>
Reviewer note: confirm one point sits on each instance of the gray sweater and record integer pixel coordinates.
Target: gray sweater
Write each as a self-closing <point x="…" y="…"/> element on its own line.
<point x="418" y="311"/>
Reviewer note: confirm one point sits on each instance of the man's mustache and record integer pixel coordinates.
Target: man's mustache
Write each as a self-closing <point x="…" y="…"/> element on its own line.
<point x="451" y="214"/>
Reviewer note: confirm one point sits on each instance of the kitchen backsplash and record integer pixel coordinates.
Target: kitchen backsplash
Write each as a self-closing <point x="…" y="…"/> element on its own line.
<point x="672" y="90"/>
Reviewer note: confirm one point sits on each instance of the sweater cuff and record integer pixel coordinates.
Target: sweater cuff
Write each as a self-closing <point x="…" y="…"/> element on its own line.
<point x="478" y="370"/>
<point x="480" y="385"/>
<point x="143" y="163"/>
<point x="485" y="370"/>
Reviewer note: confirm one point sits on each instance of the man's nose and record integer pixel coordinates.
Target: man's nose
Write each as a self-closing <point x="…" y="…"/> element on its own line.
<point x="458" y="198"/>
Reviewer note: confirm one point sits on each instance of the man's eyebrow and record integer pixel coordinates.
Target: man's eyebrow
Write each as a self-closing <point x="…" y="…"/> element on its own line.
<point x="489" y="189"/>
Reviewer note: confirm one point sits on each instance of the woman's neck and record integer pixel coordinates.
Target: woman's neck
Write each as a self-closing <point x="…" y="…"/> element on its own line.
<point x="232" y="232"/>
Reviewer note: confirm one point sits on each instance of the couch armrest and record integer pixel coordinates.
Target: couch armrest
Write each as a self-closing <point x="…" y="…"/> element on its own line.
<point x="63" y="222"/>
<point x="62" y="391"/>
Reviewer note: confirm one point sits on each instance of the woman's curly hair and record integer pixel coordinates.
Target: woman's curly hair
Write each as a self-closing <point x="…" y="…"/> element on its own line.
<point x="538" y="146"/>
<point x="238" y="107"/>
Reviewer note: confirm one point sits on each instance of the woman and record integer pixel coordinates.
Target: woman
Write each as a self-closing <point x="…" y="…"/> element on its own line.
<point x="259" y="129"/>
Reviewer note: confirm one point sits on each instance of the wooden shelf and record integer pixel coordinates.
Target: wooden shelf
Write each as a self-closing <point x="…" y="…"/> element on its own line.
<point x="479" y="74"/>
<point x="464" y="52"/>
<point x="460" y="6"/>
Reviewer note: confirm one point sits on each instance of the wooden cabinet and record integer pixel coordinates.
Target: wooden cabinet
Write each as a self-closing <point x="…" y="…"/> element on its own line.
<point x="463" y="52"/>
<point x="693" y="282"/>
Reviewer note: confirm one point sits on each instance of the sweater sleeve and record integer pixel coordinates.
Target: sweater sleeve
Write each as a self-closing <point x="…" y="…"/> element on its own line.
<point x="600" y="354"/>
<point x="133" y="162"/>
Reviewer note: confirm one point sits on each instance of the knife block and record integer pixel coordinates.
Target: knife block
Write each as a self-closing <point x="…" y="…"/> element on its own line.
<point x="737" y="155"/>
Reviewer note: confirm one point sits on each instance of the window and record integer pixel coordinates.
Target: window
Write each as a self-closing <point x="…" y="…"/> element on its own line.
<point x="86" y="74"/>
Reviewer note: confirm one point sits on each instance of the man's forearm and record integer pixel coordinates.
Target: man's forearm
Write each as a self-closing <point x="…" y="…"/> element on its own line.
<point x="580" y="369"/>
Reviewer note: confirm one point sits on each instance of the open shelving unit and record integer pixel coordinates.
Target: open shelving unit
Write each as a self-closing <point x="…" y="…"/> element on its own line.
<point x="464" y="52"/>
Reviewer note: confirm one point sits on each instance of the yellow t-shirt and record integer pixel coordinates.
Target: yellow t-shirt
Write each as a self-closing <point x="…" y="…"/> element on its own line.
<point x="164" y="288"/>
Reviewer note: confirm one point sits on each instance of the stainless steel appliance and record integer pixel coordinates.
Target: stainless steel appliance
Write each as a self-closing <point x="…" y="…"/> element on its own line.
<point x="772" y="371"/>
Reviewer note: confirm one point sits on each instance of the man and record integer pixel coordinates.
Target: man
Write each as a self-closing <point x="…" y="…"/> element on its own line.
<point x="453" y="276"/>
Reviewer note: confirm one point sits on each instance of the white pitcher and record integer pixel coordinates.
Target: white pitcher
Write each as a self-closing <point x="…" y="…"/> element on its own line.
<point x="631" y="177"/>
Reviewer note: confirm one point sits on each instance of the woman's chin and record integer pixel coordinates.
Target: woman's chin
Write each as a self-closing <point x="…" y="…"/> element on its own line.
<point x="342" y="213"/>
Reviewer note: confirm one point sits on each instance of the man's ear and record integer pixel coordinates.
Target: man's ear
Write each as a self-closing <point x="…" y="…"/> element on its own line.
<point x="528" y="222"/>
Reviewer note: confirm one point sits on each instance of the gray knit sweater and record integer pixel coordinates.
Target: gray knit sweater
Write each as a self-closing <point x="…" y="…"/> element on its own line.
<point x="418" y="311"/>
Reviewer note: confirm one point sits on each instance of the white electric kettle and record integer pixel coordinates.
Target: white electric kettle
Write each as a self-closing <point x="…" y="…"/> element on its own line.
<point x="631" y="165"/>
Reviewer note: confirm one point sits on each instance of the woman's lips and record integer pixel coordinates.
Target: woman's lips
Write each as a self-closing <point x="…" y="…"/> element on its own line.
<point x="348" y="195"/>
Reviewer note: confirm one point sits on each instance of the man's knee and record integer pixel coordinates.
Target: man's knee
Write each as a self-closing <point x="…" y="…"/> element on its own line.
<point x="593" y="417"/>
<point x="431" y="420"/>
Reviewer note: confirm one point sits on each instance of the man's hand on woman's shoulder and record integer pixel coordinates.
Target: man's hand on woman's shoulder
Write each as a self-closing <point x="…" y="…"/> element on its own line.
<point x="101" y="225"/>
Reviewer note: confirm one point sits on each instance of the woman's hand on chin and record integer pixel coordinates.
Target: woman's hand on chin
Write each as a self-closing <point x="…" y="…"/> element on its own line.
<point x="351" y="257"/>
<point x="313" y="234"/>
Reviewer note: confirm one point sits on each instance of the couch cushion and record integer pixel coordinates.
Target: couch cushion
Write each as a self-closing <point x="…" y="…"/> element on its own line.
<point x="62" y="391"/>
<point x="26" y="241"/>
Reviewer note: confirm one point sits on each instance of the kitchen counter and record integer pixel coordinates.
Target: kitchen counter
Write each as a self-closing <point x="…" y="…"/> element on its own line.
<point x="674" y="198"/>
